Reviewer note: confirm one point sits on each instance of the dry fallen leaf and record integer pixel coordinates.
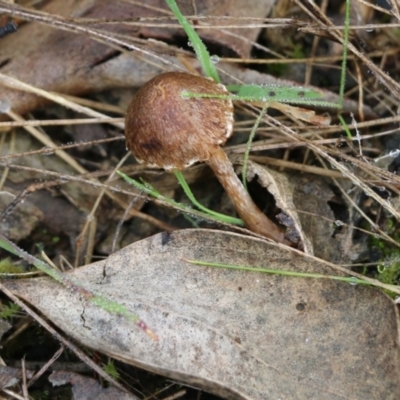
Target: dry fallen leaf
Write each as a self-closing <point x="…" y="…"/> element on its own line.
<point x="222" y="13"/>
<point x="85" y="65"/>
<point x="68" y="62"/>
<point x="9" y="376"/>
<point x="279" y="186"/>
<point x="84" y="388"/>
<point x="237" y="334"/>
<point x="19" y="224"/>
<point x="311" y="196"/>
<point x="4" y="327"/>
<point x="56" y="213"/>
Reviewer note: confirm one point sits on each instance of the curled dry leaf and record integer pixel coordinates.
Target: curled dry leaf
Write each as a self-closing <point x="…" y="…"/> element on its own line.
<point x="303" y="114"/>
<point x="306" y="213"/>
<point x="237" y="334"/>
<point x="278" y="184"/>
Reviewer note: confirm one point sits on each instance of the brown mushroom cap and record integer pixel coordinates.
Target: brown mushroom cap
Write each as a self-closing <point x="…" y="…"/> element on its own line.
<point x="166" y="130"/>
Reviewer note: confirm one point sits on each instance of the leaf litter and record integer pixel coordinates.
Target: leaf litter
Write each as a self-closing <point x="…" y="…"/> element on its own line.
<point x="246" y="339"/>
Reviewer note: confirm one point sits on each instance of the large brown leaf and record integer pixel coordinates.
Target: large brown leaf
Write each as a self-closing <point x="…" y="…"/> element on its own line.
<point x="238" y="334"/>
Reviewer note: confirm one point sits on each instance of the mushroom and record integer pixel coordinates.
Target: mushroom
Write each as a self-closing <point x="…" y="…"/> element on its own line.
<point x="166" y="129"/>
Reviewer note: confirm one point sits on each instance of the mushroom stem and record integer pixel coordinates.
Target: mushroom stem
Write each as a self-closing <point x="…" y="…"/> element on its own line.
<point x="254" y="219"/>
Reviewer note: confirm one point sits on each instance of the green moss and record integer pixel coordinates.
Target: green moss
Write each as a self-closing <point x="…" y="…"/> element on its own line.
<point x="110" y="369"/>
<point x="276" y="69"/>
<point x="8" y="311"/>
<point x="8" y="267"/>
<point x="388" y="269"/>
<point x="298" y="51"/>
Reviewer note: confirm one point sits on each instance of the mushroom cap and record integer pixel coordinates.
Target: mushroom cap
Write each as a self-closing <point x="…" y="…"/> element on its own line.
<point x="166" y="130"/>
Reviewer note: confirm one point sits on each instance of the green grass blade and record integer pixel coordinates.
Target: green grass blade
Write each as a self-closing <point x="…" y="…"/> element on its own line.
<point x="351" y="280"/>
<point x="345" y="127"/>
<point x="189" y="194"/>
<point x="40" y="265"/>
<point x="344" y="60"/>
<point x="200" y="49"/>
<point x="151" y="191"/>
<point x="280" y="94"/>
<point x="274" y="92"/>
<point x="248" y="145"/>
